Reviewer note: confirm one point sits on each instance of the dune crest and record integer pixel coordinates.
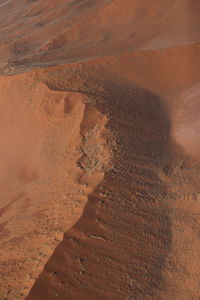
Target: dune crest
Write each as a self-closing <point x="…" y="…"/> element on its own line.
<point x="52" y="156"/>
<point x="128" y="236"/>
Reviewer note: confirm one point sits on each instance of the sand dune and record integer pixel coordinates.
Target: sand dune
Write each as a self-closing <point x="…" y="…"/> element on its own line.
<point x="132" y="241"/>
<point x="43" y="33"/>
<point x="43" y="187"/>
<point x="102" y="253"/>
<point x="99" y="156"/>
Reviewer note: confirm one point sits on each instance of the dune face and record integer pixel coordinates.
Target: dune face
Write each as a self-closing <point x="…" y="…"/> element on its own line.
<point x="51" y="156"/>
<point x="100" y="164"/>
<point x="138" y="235"/>
<point x="103" y="255"/>
<point x="43" y="33"/>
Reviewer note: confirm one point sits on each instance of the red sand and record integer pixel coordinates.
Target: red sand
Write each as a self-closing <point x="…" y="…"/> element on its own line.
<point x="43" y="190"/>
<point x="37" y="33"/>
<point x="104" y="152"/>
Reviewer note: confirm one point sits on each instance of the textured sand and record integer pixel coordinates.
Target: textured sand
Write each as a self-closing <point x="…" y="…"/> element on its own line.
<point x="51" y="141"/>
<point x="138" y="236"/>
<point x="37" y="33"/>
<point x="99" y="159"/>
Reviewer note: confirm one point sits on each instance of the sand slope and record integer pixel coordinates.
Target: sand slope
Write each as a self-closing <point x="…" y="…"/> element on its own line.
<point x="42" y="33"/>
<point x="99" y="159"/>
<point x="138" y="236"/>
<point x="43" y="183"/>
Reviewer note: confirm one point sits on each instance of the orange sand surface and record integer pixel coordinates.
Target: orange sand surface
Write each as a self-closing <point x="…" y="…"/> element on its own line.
<point x="36" y="33"/>
<point x="99" y="156"/>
